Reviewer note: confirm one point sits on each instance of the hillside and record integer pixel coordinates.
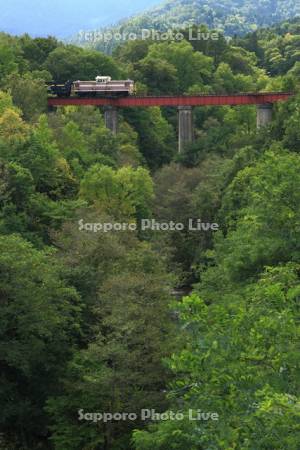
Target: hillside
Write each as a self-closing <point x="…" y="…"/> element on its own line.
<point x="232" y="16"/>
<point x="91" y="333"/>
<point x="229" y="16"/>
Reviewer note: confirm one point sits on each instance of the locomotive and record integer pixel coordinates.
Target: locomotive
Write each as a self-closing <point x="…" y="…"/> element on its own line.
<point x="103" y="86"/>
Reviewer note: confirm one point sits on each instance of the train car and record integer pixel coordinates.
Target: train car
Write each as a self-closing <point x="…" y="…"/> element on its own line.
<point x="103" y="86"/>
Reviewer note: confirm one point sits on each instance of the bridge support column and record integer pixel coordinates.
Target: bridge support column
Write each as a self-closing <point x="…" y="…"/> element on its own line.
<point x="185" y="126"/>
<point x="264" y="114"/>
<point x="111" y="118"/>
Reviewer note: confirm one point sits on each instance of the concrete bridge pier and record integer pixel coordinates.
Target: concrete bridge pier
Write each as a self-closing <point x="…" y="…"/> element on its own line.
<point x="264" y="114"/>
<point x="185" y="126"/>
<point x="111" y="118"/>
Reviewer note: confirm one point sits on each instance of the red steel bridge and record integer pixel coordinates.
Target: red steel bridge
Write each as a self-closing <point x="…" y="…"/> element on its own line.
<point x="174" y="100"/>
<point x="184" y="103"/>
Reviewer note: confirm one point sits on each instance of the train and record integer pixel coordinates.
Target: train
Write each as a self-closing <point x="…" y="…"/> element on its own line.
<point x="103" y="86"/>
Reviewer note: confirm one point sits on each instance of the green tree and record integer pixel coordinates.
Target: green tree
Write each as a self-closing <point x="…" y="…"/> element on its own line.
<point x="241" y="325"/>
<point x="38" y="325"/>
<point x="36" y="51"/>
<point x="181" y="55"/>
<point x="240" y="361"/>
<point x="29" y="94"/>
<point x="158" y="75"/>
<point x="73" y="63"/>
<point x="123" y="193"/>
<point x="10" y="56"/>
<point x="127" y="331"/>
<point x="156" y="137"/>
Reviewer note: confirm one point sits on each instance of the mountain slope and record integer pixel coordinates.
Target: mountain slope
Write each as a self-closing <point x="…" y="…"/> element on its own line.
<point x="230" y="16"/>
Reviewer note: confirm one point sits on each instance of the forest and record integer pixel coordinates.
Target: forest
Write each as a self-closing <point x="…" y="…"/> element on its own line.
<point x="178" y="321"/>
<point x="232" y="17"/>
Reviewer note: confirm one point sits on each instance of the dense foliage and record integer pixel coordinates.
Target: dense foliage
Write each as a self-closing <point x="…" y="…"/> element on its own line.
<point x="88" y="321"/>
<point x="232" y="17"/>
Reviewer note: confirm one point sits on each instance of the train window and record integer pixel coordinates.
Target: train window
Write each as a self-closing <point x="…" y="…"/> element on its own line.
<point x="103" y="79"/>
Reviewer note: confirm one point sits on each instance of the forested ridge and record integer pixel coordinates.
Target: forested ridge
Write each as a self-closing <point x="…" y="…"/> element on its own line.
<point x="88" y="320"/>
<point x="231" y="17"/>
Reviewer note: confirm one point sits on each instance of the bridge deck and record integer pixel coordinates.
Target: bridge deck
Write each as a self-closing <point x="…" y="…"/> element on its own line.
<point x="182" y="100"/>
